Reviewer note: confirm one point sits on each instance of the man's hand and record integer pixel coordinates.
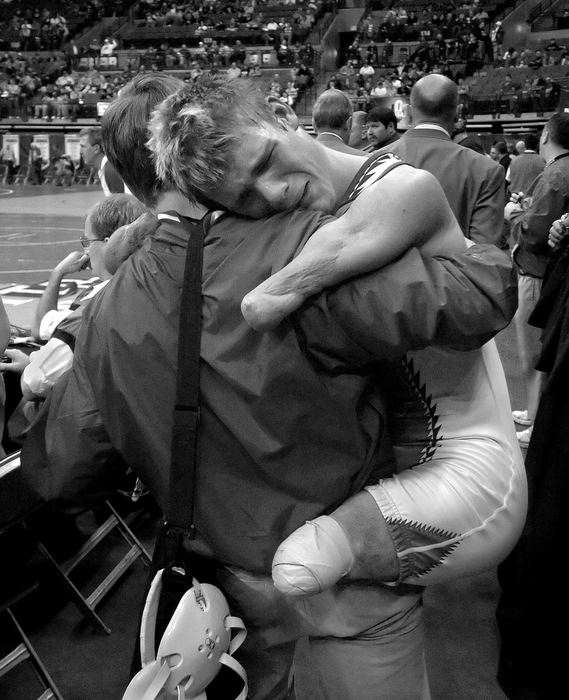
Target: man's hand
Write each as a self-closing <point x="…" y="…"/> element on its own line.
<point x="72" y="263"/>
<point x="18" y="361"/>
<point x="558" y="231"/>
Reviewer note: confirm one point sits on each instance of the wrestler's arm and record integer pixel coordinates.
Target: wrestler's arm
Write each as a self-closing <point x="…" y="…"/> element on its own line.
<point x="459" y="301"/>
<point x="405" y="208"/>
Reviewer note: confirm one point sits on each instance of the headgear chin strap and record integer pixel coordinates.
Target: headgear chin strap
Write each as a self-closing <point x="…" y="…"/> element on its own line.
<point x="195" y="644"/>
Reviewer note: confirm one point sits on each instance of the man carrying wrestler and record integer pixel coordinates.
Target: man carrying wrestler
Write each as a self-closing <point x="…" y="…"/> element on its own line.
<point x="292" y="421"/>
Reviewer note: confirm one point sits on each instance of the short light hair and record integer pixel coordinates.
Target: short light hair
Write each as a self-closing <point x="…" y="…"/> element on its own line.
<point x="194" y="131"/>
<point x="332" y="110"/>
<point x="112" y="212"/>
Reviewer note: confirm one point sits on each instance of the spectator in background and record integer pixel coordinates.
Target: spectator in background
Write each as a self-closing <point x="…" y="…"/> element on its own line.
<point x="60" y="327"/>
<point x="460" y="135"/>
<point x="93" y="156"/>
<point x="526" y="166"/>
<point x="108" y="46"/>
<point x="35" y="165"/>
<point x="546" y="200"/>
<point x="473" y="184"/>
<point x="366" y="72"/>
<point x="381" y="124"/>
<point x="8" y="158"/>
<point x="101" y="221"/>
<point x="332" y="120"/>
<point x="499" y="152"/>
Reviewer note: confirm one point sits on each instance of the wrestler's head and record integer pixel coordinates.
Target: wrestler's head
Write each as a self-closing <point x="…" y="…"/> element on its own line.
<point x="222" y="142"/>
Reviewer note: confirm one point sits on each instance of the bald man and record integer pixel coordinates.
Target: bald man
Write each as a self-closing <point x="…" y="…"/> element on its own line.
<point x="332" y="121"/>
<point x="473" y="184"/>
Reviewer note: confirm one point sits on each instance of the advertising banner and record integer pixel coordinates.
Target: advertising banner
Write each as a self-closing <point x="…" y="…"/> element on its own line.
<point x="72" y="147"/>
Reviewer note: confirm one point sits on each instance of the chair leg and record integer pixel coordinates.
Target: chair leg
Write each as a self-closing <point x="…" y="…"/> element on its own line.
<point x="74" y="592"/>
<point x="129" y="535"/>
<point x="39" y="668"/>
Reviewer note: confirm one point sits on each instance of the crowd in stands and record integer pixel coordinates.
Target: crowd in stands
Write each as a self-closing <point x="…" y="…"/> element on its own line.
<point x="49" y="27"/>
<point x="462" y="42"/>
<point x="457" y="40"/>
<point x="267" y="22"/>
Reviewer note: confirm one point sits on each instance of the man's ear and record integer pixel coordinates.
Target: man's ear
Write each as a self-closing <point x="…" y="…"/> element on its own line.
<point x="285" y="114"/>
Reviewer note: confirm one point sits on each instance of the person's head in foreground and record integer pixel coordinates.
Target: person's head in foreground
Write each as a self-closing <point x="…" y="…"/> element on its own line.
<point x="124" y="130"/>
<point x="222" y="142"/>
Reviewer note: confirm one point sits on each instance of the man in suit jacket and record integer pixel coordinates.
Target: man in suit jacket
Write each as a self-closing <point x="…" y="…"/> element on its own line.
<point x="473" y="184"/>
<point x="526" y="166"/>
<point x="93" y="156"/>
<point x="332" y="120"/>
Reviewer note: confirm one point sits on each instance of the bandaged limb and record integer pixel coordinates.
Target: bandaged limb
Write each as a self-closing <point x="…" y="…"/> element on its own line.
<point x="429" y="524"/>
<point x="126" y="239"/>
<point x="353" y="541"/>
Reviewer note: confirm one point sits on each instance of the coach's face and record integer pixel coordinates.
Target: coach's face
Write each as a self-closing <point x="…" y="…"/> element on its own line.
<point x="273" y="169"/>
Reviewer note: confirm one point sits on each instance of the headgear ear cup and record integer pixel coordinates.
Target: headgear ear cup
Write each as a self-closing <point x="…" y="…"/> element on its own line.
<point x="193" y="648"/>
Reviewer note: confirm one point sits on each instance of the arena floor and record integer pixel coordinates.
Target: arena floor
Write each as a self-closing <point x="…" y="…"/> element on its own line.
<point x="39" y="226"/>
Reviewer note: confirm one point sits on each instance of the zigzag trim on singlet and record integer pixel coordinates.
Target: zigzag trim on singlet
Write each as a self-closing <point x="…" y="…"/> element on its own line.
<point x="433" y="426"/>
<point x="374" y="169"/>
<point x="425" y="541"/>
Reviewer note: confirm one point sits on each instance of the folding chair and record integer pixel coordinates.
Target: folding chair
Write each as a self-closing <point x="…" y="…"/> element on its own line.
<point x="18" y="502"/>
<point x="87" y="602"/>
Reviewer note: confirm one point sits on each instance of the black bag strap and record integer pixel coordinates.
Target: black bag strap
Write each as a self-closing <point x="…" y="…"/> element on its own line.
<point x="179" y="521"/>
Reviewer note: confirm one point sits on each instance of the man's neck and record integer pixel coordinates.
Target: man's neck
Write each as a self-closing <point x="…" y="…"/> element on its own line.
<point x="343" y="167"/>
<point x="424" y="123"/>
<point x="174" y="201"/>
<point x="551" y="151"/>
<point x="331" y="133"/>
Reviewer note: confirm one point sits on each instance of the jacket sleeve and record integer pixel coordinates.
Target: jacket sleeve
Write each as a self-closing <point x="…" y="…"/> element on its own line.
<point x="67" y="456"/>
<point x="486" y="223"/>
<point x="530" y="227"/>
<point x="460" y="302"/>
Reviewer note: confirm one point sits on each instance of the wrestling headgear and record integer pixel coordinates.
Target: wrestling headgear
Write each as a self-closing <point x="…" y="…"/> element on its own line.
<point x="196" y="642"/>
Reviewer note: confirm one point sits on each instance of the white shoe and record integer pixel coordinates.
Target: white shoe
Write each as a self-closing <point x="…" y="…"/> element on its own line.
<point x="521" y="417"/>
<point x="524" y="436"/>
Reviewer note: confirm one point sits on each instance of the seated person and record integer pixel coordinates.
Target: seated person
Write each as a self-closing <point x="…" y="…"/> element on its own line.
<point x="42" y="368"/>
<point x="102" y="219"/>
